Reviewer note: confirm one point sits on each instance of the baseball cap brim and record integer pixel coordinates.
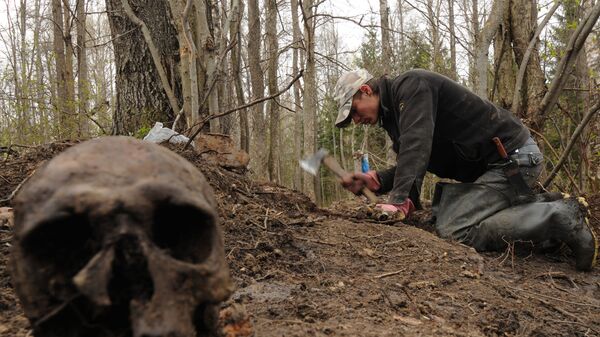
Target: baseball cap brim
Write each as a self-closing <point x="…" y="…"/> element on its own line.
<point x="343" y="118"/>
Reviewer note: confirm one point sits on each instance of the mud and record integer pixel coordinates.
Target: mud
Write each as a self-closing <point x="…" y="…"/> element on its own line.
<point x="305" y="271"/>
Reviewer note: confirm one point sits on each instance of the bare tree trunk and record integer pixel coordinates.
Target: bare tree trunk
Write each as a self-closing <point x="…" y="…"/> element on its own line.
<point x="531" y="50"/>
<point x="433" y="7"/>
<point x="272" y="53"/>
<point x="141" y="99"/>
<point x="523" y="23"/>
<point x="298" y="124"/>
<point x="387" y="55"/>
<point x="83" y="88"/>
<point x="475" y="30"/>
<point x="311" y="184"/>
<point x="236" y="60"/>
<point x="258" y="138"/>
<point x="484" y="38"/>
<point x="451" y="27"/>
<point x="70" y="79"/>
<point x="61" y="98"/>
<point x="402" y="46"/>
<point x="386" y="63"/>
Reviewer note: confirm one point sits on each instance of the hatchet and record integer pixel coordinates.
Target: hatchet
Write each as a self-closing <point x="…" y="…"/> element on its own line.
<point x="312" y="164"/>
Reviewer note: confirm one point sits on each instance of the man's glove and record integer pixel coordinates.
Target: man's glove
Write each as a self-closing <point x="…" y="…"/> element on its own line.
<point x="406" y="207"/>
<point x="354" y="182"/>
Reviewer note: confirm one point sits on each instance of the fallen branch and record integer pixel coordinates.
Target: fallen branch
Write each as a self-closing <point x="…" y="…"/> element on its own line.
<point x="206" y="119"/>
<point x="390" y="273"/>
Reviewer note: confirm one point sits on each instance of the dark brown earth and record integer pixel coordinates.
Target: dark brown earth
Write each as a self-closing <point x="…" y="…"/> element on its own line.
<point x="304" y="271"/>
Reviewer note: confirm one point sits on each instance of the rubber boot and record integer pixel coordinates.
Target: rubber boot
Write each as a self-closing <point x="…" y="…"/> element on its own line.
<point x="562" y="220"/>
<point x="456" y="208"/>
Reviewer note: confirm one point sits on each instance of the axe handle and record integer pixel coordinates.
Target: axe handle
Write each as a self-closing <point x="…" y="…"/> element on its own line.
<point x="333" y="165"/>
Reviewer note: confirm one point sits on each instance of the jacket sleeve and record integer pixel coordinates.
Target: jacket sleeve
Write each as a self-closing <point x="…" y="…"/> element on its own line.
<point x="417" y="106"/>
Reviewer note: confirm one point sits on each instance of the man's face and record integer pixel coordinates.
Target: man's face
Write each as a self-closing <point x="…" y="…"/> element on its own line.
<point x="365" y="106"/>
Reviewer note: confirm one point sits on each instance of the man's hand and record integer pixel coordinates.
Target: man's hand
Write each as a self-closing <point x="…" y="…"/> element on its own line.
<point x="406" y="207"/>
<point x="356" y="181"/>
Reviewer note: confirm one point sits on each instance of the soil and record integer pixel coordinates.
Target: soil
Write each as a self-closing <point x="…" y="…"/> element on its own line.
<point x="305" y="271"/>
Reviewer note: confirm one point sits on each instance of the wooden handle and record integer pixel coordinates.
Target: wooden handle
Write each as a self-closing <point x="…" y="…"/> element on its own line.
<point x="370" y="195"/>
<point x="333" y="165"/>
<point x="500" y="147"/>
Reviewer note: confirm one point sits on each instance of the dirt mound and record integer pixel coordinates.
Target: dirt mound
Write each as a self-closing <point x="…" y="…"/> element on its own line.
<point x="301" y="271"/>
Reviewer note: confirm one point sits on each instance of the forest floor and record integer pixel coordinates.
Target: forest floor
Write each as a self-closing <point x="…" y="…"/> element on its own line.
<point x="304" y="271"/>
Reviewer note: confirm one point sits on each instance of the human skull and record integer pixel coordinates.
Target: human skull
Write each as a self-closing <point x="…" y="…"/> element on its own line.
<point x="119" y="237"/>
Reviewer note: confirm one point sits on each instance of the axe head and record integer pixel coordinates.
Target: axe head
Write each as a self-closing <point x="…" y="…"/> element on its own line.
<point x="312" y="163"/>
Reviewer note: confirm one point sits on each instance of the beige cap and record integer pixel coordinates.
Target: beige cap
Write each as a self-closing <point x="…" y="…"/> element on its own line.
<point x="345" y="88"/>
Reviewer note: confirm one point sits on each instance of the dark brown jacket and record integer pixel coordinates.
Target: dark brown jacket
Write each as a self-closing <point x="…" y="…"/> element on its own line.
<point x="439" y="126"/>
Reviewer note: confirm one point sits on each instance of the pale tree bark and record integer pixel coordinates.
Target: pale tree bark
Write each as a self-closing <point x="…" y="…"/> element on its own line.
<point x="474" y="33"/>
<point x="40" y="74"/>
<point x="386" y="64"/>
<point x="225" y="81"/>
<point x="83" y="88"/>
<point x="402" y="39"/>
<point x="272" y="54"/>
<point x="23" y="89"/>
<point x="188" y="51"/>
<point x="209" y="56"/>
<point x="452" y="30"/>
<point x="63" y="108"/>
<point x="386" y="46"/>
<point x="298" y="124"/>
<point x="236" y="60"/>
<point x="258" y="139"/>
<point x="482" y="44"/>
<point x="70" y="79"/>
<point x="433" y="14"/>
<point x="311" y="184"/>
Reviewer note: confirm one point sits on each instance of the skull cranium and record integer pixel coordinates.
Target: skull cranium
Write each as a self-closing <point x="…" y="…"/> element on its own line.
<point x="119" y="237"/>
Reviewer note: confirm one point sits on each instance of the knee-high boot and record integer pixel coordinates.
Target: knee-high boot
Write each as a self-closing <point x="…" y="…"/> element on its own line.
<point x="563" y="220"/>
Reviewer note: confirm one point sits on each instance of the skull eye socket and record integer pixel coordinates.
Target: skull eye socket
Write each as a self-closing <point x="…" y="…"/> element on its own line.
<point x="65" y="242"/>
<point x="184" y="231"/>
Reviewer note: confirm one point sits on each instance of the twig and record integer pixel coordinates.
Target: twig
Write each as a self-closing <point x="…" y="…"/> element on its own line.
<point x="211" y="117"/>
<point x="567" y="172"/>
<point x="266" y="218"/>
<point x="392" y="273"/>
<point x="549" y="297"/>
<point x="12" y="195"/>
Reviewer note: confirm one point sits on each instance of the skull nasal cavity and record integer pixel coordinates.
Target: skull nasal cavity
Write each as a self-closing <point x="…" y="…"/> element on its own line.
<point x="184" y="231"/>
<point x="131" y="278"/>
